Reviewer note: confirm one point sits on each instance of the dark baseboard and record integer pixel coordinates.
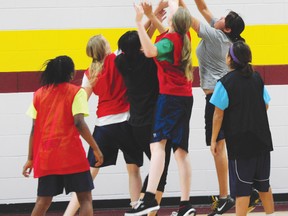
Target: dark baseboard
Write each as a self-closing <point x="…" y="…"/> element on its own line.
<point x="119" y="203"/>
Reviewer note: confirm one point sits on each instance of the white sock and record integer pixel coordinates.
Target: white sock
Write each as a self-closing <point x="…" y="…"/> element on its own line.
<point x="273" y="214"/>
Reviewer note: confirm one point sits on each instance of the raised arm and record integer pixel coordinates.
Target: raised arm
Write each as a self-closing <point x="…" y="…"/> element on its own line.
<point x="203" y="9"/>
<point x="195" y="22"/>
<point x="153" y="16"/>
<point x="148" y="47"/>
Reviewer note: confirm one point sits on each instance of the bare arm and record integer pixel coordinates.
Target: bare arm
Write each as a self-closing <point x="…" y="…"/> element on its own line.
<point x="88" y="91"/>
<point x="29" y="163"/>
<point x="85" y="133"/>
<point x="161" y="16"/>
<point x="195" y="22"/>
<point x="203" y="9"/>
<point x="147" y="25"/>
<point x="152" y="16"/>
<point x="217" y="122"/>
<point x="150" y="50"/>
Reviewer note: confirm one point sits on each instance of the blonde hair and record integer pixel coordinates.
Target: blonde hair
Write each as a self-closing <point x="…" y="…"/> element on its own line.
<point x="181" y="22"/>
<point x="96" y="49"/>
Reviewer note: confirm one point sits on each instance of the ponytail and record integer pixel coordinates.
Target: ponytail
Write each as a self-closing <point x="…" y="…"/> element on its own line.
<point x="181" y="22"/>
<point x="97" y="49"/>
<point x="186" y="61"/>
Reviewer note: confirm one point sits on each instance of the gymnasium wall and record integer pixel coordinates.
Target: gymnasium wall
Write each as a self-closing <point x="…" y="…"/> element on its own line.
<point x="33" y="31"/>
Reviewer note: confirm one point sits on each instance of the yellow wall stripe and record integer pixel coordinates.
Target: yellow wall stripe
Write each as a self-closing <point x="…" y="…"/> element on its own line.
<point x="28" y="50"/>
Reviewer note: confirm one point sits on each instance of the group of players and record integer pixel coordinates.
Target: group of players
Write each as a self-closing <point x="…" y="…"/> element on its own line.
<point x="144" y="105"/>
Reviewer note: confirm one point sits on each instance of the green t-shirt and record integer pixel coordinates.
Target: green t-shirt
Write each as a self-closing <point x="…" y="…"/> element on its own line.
<point x="165" y="49"/>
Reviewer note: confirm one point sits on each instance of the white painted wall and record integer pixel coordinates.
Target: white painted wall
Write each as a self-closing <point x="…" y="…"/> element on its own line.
<point x="67" y="14"/>
<point x="112" y="182"/>
<point x="71" y="14"/>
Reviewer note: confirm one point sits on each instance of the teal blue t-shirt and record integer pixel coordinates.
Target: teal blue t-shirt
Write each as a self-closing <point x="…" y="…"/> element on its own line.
<point x="220" y="97"/>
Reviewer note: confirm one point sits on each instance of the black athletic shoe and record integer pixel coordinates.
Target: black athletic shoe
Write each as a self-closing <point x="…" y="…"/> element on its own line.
<point x="254" y="200"/>
<point x="220" y="206"/>
<point x="185" y="211"/>
<point x="143" y="208"/>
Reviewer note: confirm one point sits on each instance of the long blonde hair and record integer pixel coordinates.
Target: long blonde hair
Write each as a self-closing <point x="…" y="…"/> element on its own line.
<point x="181" y="23"/>
<point x="97" y="49"/>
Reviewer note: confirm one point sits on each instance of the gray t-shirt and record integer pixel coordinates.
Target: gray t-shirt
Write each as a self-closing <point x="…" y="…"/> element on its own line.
<point x="211" y="53"/>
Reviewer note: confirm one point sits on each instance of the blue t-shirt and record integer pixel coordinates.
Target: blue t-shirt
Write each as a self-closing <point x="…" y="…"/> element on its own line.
<point x="220" y="96"/>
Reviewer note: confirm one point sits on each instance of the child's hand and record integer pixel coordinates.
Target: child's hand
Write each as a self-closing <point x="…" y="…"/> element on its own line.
<point x="139" y="13"/>
<point x="173" y="6"/>
<point x="98" y="156"/>
<point x="27" y="168"/>
<point x="213" y="148"/>
<point x="161" y="15"/>
<point x="147" y="8"/>
<point x="162" y="4"/>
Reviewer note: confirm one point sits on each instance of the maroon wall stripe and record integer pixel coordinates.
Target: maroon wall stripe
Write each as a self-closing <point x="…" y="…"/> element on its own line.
<point x="29" y="81"/>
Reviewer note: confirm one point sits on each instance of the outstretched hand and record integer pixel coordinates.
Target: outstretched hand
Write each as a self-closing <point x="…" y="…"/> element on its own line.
<point x="139" y="12"/>
<point x="173" y="6"/>
<point x="147" y="8"/>
<point x="162" y="5"/>
<point x="161" y="15"/>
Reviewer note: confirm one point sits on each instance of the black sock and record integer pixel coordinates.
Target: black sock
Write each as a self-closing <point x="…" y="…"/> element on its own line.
<point x="184" y="203"/>
<point x="149" y="196"/>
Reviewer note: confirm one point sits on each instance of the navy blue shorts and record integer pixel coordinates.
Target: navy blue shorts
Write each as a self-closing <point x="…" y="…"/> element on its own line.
<point x="245" y="174"/>
<point x="111" y="138"/>
<point x="209" y="112"/>
<point x="172" y="119"/>
<point x="53" y="185"/>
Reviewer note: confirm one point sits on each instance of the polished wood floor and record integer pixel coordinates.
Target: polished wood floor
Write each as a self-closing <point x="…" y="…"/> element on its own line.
<point x="281" y="210"/>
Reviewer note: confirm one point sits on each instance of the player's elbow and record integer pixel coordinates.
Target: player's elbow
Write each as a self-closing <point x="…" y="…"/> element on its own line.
<point x="150" y="53"/>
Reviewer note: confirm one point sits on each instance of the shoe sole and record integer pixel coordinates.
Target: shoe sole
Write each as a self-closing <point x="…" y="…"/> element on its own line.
<point x="250" y="209"/>
<point x="216" y="214"/>
<point x="144" y="212"/>
<point x="191" y="212"/>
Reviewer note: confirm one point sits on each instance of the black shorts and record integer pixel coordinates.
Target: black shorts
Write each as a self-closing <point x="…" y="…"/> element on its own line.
<point x="143" y="135"/>
<point x="172" y="120"/>
<point x="53" y="185"/>
<point x="245" y="174"/>
<point x="111" y="138"/>
<point x="209" y="112"/>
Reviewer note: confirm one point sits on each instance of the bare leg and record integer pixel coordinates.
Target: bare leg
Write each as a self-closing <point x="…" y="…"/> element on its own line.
<point x="42" y="205"/>
<point x="156" y="165"/>
<point x="184" y="167"/>
<point x="85" y="200"/>
<point x="267" y="201"/>
<point x="135" y="182"/>
<point x="221" y="164"/>
<point x="74" y="205"/>
<point x="242" y="204"/>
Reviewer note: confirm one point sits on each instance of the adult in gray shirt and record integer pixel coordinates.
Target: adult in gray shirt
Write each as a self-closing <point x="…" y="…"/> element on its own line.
<point x="216" y="38"/>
